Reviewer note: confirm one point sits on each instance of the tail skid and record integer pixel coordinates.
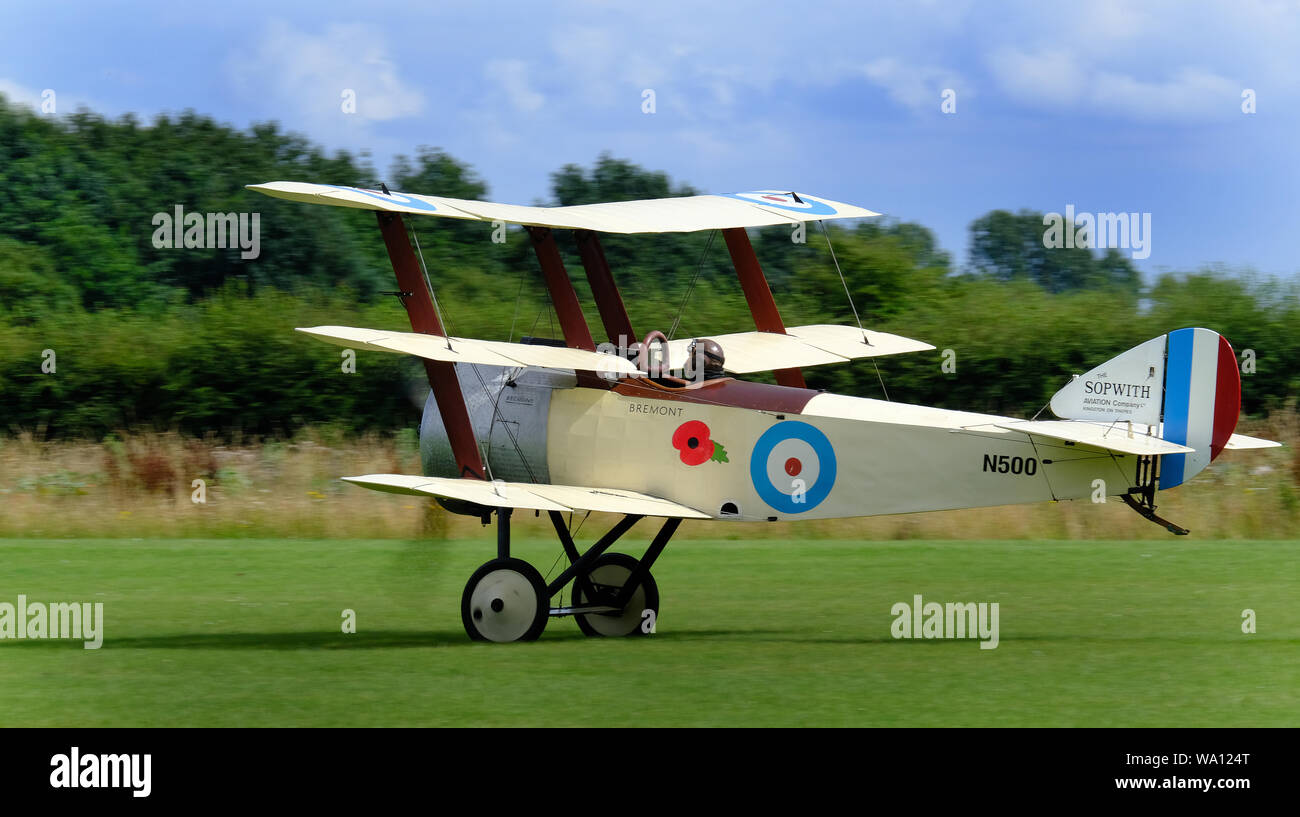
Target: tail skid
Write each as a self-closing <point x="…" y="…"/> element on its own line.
<point x="1148" y="512"/>
<point x="1142" y="497"/>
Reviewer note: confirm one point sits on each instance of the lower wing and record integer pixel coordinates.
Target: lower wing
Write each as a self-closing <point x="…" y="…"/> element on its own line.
<point x="527" y="495"/>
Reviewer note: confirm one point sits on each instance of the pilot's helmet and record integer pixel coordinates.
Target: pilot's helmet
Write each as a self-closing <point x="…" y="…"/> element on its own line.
<point x="707" y="353"/>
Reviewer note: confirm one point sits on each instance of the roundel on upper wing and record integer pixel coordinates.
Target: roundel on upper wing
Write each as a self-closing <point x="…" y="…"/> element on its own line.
<point x="391" y="198"/>
<point x="786" y="201"/>
<point x="793" y="467"/>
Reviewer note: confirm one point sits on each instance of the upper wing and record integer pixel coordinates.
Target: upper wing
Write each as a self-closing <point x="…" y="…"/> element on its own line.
<point x="672" y="215"/>
<point x="524" y="495"/>
<point x="800" y="346"/>
<point x="467" y="350"/>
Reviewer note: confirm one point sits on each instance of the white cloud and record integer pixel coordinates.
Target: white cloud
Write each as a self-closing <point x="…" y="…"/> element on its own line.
<point x="915" y="87"/>
<point x="1190" y="92"/>
<point x="308" y="73"/>
<point x="586" y="59"/>
<point x="512" y="78"/>
<point x="1054" y="78"/>
<point x="1064" y="79"/>
<point x="19" y="94"/>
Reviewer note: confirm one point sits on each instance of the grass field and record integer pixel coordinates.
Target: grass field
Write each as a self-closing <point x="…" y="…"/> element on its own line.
<point x="771" y="632"/>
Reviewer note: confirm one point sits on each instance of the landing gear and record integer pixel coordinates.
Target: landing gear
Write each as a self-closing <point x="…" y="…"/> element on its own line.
<point x="609" y="575"/>
<point x="505" y="600"/>
<point x="613" y="593"/>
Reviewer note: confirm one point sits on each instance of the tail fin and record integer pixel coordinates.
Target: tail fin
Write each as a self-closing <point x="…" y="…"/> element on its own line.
<point x="1187" y="380"/>
<point x="1202" y="401"/>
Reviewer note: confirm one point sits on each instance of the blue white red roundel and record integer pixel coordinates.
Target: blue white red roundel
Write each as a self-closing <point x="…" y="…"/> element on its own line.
<point x="786" y="201"/>
<point x="793" y="467"/>
<point x="391" y="198"/>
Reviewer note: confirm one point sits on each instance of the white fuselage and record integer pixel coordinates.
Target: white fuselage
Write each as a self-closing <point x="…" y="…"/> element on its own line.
<point x="840" y="457"/>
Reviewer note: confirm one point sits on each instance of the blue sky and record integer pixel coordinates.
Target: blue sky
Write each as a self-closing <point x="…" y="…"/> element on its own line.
<point x="1108" y="106"/>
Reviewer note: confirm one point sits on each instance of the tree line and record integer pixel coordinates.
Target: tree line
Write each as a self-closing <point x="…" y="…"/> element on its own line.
<point x="101" y="330"/>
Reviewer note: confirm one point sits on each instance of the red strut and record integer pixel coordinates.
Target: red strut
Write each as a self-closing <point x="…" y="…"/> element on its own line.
<point x="573" y="323"/>
<point x="612" y="312"/>
<point x="424" y="318"/>
<point x="759" y="296"/>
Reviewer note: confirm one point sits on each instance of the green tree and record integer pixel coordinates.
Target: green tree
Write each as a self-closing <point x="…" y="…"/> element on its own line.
<point x="1009" y="246"/>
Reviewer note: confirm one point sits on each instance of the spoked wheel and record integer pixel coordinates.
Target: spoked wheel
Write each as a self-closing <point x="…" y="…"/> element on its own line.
<point x="608" y="575"/>
<point x="505" y="600"/>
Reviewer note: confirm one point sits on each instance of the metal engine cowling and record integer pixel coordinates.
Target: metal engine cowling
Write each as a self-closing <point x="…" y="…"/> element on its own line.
<point x="508" y="409"/>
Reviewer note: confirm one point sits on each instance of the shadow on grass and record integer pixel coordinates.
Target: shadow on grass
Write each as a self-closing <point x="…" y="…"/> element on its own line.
<point x="795" y="637"/>
<point x="372" y="640"/>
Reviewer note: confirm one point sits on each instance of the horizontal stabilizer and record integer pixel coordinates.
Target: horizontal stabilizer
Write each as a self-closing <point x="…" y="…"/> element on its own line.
<point x="812" y="345"/>
<point x="681" y="214"/>
<point x="1240" y="442"/>
<point x="466" y="350"/>
<point x="524" y="495"/>
<point x="1111" y="436"/>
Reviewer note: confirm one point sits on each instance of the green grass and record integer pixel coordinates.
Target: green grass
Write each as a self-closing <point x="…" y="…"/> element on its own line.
<point x="787" y="633"/>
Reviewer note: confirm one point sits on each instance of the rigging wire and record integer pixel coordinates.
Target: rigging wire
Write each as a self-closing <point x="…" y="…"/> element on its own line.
<point x="574" y="533"/>
<point x="496" y="409"/>
<point x="1043" y="470"/>
<point x="875" y="366"/>
<point x="691" y="287"/>
<point x="425" y="269"/>
<point x="551" y="569"/>
<point x="852" y="306"/>
<point x="518" y="295"/>
<point x="845" y="283"/>
<point x="505" y="424"/>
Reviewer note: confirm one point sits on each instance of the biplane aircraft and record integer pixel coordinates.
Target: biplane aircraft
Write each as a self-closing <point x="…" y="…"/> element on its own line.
<point x="644" y="426"/>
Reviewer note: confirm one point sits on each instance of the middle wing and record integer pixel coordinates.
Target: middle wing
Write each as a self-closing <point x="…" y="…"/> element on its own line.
<point x="745" y="351"/>
<point x="810" y="345"/>
<point x="526" y="495"/>
<point x="467" y="350"/>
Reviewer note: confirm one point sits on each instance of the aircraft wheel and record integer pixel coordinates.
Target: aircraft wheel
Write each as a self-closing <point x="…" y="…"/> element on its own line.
<point x="609" y="573"/>
<point x="505" y="600"/>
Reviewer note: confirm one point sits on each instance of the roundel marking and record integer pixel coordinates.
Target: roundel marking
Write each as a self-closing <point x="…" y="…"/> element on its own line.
<point x="391" y="198"/>
<point x="784" y="201"/>
<point x="790" y="456"/>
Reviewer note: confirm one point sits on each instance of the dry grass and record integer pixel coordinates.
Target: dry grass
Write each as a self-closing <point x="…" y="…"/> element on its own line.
<point x="142" y="487"/>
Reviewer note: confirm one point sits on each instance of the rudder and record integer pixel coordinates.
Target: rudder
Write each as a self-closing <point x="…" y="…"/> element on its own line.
<point x="1202" y="401"/>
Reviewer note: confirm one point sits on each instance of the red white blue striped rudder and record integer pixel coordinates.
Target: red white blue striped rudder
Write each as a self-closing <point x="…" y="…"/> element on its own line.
<point x="1202" y="401"/>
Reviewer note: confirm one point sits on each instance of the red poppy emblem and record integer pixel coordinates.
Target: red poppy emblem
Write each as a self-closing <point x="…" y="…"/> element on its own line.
<point x="691" y="439"/>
